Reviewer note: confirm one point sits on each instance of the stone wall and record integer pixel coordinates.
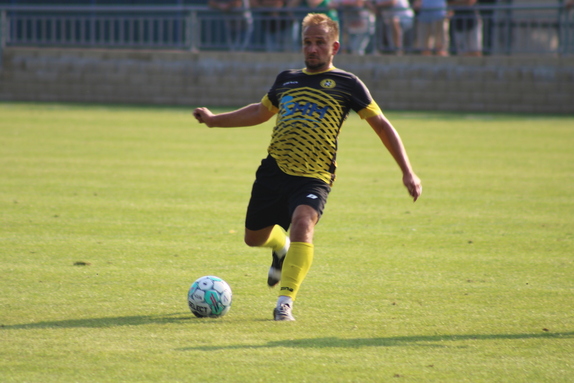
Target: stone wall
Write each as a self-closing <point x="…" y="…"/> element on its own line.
<point x="491" y="84"/>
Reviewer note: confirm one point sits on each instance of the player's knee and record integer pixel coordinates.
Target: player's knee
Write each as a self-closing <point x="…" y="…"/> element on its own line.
<point x="302" y="229"/>
<point x="251" y="242"/>
<point x="252" y="239"/>
<point x="305" y="217"/>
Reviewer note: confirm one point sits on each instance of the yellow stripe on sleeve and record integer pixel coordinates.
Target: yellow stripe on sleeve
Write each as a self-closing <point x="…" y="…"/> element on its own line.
<point x="267" y="103"/>
<point x="370" y="111"/>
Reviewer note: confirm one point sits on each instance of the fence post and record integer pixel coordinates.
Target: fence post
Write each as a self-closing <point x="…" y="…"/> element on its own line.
<point x="193" y="31"/>
<point x="565" y="31"/>
<point x="3" y="32"/>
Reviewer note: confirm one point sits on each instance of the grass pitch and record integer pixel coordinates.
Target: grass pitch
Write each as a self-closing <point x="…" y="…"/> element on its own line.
<point x="108" y="214"/>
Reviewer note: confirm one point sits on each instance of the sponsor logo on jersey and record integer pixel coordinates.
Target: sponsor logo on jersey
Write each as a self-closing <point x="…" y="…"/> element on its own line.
<point x="309" y="110"/>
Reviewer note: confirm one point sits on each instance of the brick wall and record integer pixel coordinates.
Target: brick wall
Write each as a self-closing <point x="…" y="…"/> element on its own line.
<point x="492" y="84"/>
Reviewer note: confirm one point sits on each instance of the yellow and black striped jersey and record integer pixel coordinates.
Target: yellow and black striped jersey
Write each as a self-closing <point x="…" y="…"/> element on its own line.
<point x="311" y="108"/>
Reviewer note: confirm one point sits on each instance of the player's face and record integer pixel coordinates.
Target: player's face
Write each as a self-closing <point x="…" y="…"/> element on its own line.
<point x="319" y="48"/>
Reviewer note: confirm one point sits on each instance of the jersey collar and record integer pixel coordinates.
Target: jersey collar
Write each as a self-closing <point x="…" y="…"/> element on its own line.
<point x="313" y="73"/>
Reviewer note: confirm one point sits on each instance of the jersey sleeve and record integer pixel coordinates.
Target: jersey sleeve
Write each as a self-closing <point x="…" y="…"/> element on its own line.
<point x="270" y="100"/>
<point x="363" y="103"/>
<point x="269" y="105"/>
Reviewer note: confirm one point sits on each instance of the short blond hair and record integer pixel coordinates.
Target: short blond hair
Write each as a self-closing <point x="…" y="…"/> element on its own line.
<point x="320" y="19"/>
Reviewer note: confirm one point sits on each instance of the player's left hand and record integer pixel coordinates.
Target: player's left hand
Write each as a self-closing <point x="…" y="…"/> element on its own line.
<point x="413" y="185"/>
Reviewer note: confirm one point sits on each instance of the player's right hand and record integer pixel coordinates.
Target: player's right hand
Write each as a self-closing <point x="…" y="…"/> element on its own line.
<point x="202" y="115"/>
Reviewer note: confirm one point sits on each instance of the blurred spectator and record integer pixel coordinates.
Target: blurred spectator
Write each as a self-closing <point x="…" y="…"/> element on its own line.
<point x="358" y="24"/>
<point x="432" y="27"/>
<point x="277" y="27"/>
<point x="566" y="28"/>
<point x="398" y="19"/>
<point x="488" y="24"/>
<point x="315" y="6"/>
<point x="467" y="28"/>
<point x="238" y="22"/>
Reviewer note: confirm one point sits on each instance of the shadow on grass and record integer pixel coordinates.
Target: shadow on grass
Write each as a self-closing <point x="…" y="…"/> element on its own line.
<point x="332" y="342"/>
<point x="111" y="322"/>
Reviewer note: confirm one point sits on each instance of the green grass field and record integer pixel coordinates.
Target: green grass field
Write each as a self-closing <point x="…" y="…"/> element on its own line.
<point x="108" y="214"/>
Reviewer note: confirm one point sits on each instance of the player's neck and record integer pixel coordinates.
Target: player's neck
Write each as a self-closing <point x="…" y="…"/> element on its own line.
<point x="321" y="70"/>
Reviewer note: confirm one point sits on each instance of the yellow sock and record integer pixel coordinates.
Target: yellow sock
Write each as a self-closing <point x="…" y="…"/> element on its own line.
<point x="295" y="267"/>
<point x="277" y="239"/>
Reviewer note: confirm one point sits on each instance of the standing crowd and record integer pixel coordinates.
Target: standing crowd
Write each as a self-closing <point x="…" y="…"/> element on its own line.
<point x="423" y="26"/>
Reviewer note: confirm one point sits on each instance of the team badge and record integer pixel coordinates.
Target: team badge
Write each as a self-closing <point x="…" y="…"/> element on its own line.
<point x="328" y="83"/>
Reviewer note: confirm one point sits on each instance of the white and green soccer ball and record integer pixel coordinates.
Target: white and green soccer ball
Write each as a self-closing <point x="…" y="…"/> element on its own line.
<point x="209" y="297"/>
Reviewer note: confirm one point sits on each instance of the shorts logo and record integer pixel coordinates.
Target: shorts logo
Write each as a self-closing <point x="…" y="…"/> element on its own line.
<point x="328" y="83"/>
<point x="312" y="196"/>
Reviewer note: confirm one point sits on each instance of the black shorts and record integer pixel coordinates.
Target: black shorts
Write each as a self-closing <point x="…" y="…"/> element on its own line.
<point x="275" y="195"/>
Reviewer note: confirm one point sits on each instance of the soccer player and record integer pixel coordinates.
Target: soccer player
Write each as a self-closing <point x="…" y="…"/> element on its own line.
<point x="293" y="182"/>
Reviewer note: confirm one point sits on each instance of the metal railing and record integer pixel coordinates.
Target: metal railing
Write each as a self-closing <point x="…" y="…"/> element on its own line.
<point x="506" y="29"/>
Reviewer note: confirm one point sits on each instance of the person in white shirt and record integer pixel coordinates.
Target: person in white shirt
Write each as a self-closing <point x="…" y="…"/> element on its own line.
<point x="358" y="24"/>
<point x="432" y="27"/>
<point x="398" y="17"/>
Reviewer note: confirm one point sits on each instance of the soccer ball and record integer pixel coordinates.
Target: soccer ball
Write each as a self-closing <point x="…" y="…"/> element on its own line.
<point x="209" y="297"/>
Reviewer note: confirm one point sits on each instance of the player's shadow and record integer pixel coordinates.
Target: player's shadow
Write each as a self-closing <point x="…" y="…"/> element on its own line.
<point x="112" y="322"/>
<point x="329" y="342"/>
<point x="436" y="341"/>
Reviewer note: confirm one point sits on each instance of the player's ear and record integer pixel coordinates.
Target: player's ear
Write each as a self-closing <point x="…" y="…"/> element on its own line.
<point x="336" y="46"/>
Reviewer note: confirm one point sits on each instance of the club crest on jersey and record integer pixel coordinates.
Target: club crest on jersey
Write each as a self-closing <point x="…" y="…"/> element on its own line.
<point x="328" y="83"/>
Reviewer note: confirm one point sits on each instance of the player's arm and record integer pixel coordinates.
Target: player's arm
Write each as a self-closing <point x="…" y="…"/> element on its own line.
<point x="249" y="115"/>
<point x="392" y="141"/>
